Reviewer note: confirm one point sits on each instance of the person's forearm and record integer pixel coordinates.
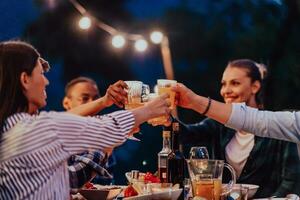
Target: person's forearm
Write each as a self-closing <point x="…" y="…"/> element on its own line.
<point x="89" y="109"/>
<point x="278" y="125"/>
<point x="141" y="115"/>
<point x="218" y="111"/>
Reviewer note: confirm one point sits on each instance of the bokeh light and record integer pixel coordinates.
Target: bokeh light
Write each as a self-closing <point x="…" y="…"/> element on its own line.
<point x="118" y="41"/>
<point x="85" y="23"/>
<point x="156" y="37"/>
<point x="141" y="45"/>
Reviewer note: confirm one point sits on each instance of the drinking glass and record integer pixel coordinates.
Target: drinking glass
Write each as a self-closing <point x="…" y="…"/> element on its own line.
<point x="137" y="94"/>
<point x="164" y="86"/>
<point x="199" y="153"/>
<point x="187" y="186"/>
<point x="206" y="178"/>
<point x="134" y="94"/>
<point x="157" y="120"/>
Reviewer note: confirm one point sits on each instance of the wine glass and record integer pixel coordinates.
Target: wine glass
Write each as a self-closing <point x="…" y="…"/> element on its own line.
<point x="199" y="152"/>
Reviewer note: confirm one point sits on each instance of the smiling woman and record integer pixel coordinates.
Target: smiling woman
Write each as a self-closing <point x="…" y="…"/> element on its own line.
<point x="242" y="82"/>
<point x="34" y="147"/>
<point x="34" y="85"/>
<point x="256" y="160"/>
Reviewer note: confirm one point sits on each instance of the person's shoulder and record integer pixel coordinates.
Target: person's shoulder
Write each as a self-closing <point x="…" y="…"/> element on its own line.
<point x="54" y="114"/>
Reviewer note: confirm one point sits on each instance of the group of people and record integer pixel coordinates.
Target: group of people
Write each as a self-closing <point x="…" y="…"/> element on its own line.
<point x="44" y="154"/>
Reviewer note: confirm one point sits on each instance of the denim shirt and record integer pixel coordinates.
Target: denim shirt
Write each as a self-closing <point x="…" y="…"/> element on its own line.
<point x="278" y="125"/>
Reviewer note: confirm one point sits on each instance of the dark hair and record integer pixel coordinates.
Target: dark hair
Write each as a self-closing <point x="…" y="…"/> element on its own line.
<point x="15" y="57"/>
<point x="74" y="81"/>
<point x="256" y="72"/>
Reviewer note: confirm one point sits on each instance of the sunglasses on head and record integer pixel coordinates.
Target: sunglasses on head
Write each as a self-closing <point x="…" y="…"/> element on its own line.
<point x="44" y="64"/>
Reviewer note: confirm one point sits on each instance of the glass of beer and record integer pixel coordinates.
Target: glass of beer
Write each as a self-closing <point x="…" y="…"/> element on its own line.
<point x="164" y="86"/>
<point x="157" y="120"/>
<point x="206" y="178"/>
<point x="137" y="94"/>
<point x="137" y="91"/>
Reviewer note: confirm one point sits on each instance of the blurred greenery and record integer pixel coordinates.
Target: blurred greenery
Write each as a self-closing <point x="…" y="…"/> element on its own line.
<point x="204" y="36"/>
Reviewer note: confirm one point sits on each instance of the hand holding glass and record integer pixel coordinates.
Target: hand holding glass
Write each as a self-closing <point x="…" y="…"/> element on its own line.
<point x="165" y="86"/>
<point x="137" y="94"/>
<point x="157" y="120"/>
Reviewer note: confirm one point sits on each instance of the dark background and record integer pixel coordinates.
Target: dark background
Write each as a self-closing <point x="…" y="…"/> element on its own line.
<point x="204" y="35"/>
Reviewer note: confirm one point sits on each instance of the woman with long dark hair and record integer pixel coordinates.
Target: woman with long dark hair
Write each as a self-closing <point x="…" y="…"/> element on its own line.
<point x="34" y="147"/>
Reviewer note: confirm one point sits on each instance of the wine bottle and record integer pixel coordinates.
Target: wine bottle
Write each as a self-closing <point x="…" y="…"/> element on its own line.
<point x="176" y="159"/>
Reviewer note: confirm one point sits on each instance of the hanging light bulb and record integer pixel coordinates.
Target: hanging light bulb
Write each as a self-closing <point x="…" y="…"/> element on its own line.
<point x="141" y="45"/>
<point x="118" y="41"/>
<point x="85" y="23"/>
<point x="156" y="37"/>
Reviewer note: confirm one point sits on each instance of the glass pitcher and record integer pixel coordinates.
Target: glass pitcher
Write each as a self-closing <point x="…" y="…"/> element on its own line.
<point x="206" y="178"/>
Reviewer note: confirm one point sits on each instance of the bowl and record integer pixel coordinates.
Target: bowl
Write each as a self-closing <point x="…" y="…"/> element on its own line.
<point x="94" y="194"/>
<point x="128" y="176"/>
<point x="252" y="189"/>
<point x="172" y="195"/>
<point x="101" y="193"/>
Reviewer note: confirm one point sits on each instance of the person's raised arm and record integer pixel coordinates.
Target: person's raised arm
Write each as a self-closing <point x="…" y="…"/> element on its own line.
<point x="186" y="98"/>
<point x="278" y="125"/>
<point x="115" y="94"/>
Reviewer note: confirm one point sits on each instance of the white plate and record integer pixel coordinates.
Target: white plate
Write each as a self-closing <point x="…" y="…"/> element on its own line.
<point x="160" y="195"/>
<point x="252" y="188"/>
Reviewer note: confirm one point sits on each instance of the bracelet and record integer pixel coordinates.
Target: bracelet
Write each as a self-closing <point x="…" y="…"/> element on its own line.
<point x="207" y="107"/>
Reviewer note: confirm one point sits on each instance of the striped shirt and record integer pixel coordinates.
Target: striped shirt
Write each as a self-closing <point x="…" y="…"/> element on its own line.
<point x="34" y="150"/>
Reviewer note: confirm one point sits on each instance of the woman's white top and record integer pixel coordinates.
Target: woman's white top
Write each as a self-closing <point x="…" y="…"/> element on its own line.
<point x="238" y="149"/>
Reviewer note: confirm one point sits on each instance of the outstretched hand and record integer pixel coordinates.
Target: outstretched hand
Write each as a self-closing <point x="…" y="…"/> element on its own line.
<point x="159" y="106"/>
<point x="116" y="94"/>
<point x="184" y="96"/>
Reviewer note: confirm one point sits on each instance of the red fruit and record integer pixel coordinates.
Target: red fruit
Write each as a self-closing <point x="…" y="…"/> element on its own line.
<point x="150" y="178"/>
<point x="155" y="179"/>
<point x="89" y="185"/>
<point x="130" y="191"/>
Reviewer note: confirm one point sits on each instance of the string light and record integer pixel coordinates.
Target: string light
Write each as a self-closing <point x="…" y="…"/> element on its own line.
<point x="118" y="41"/>
<point x="156" y="37"/>
<point x="141" y="45"/>
<point x="85" y="23"/>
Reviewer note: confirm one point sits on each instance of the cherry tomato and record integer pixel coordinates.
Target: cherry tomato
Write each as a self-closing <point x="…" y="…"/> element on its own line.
<point x="130" y="191"/>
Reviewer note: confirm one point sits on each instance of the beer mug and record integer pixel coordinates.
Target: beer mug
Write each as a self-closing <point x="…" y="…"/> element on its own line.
<point x="157" y="120"/>
<point x="164" y="86"/>
<point x="136" y="94"/>
<point x="206" y="178"/>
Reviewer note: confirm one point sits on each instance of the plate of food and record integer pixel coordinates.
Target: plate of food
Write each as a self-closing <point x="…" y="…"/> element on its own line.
<point x="144" y="186"/>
